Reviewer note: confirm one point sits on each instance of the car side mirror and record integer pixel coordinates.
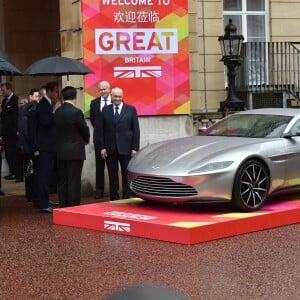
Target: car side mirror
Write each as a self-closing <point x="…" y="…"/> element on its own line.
<point x="288" y="135"/>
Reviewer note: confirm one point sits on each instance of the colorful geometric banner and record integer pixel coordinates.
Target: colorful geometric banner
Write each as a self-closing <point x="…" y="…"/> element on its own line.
<point x="142" y="47"/>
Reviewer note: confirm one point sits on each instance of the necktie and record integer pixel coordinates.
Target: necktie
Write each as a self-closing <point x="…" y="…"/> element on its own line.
<point x="6" y="102"/>
<point x="103" y="105"/>
<point x="117" y="115"/>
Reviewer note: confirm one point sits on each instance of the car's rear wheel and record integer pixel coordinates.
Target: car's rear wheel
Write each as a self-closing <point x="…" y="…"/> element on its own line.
<point x="251" y="186"/>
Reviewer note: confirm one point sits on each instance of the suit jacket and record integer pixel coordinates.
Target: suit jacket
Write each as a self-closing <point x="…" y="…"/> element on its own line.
<point x="45" y="131"/>
<point x="71" y="133"/>
<point x="31" y="124"/>
<point x="95" y="111"/>
<point x="23" y="138"/>
<point x="123" y="136"/>
<point x="9" y="118"/>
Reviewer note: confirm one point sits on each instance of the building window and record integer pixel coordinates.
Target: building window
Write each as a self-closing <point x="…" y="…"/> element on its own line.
<point x="250" y="17"/>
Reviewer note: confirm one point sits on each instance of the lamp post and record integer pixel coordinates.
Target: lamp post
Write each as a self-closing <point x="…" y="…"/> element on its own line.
<point x="231" y="44"/>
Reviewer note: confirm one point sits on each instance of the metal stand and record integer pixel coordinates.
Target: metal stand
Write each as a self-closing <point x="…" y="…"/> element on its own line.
<point x="232" y="102"/>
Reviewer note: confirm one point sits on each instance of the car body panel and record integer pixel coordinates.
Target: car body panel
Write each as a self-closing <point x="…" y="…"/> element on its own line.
<point x="209" y="164"/>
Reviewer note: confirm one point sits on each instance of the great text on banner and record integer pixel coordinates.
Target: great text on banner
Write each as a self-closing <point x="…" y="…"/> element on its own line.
<point x="142" y="47"/>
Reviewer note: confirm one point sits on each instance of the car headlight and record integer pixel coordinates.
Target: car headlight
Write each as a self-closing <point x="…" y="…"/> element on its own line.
<point x="212" y="167"/>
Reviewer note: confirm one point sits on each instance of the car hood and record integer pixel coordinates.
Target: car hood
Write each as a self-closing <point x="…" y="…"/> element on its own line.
<point x="185" y="154"/>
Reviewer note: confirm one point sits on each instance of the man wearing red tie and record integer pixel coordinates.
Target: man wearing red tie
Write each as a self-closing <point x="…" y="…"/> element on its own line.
<point x="118" y="136"/>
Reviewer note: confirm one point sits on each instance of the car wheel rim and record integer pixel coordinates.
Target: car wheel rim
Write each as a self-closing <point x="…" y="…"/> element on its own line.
<point x="254" y="186"/>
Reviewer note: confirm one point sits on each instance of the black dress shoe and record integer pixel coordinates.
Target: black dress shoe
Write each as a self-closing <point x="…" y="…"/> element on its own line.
<point x="99" y="195"/>
<point x="1" y="193"/>
<point x="126" y="196"/>
<point x="19" y="180"/>
<point x="55" y="204"/>
<point x="10" y="177"/>
<point x="48" y="210"/>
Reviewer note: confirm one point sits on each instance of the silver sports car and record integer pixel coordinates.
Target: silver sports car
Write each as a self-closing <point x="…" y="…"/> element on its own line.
<point x="243" y="158"/>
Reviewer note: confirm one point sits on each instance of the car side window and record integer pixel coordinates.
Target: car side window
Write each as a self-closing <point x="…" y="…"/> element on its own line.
<point x="295" y="128"/>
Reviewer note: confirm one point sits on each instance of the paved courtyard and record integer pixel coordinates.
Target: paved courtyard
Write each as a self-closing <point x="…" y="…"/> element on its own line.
<point x="39" y="260"/>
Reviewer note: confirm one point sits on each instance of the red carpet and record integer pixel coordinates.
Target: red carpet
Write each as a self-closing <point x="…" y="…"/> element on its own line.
<point x="185" y="224"/>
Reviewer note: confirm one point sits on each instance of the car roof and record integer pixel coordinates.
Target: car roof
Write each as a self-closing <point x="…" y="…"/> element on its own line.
<point x="273" y="111"/>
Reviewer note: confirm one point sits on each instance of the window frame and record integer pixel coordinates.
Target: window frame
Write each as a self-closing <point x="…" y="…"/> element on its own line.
<point x="253" y="78"/>
<point x="244" y="13"/>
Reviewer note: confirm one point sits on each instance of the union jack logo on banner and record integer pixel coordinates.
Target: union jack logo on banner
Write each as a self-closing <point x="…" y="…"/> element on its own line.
<point x="137" y="72"/>
<point x="117" y="226"/>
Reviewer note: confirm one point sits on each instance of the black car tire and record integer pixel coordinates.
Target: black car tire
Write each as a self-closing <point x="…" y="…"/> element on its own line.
<point x="251" y="186"/>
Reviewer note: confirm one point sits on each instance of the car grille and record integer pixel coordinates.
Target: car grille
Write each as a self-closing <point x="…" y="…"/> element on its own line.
<point x="159" y="186"/>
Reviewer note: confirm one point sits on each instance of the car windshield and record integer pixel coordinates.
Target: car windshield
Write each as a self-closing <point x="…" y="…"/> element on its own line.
<point x="247" y="125"/>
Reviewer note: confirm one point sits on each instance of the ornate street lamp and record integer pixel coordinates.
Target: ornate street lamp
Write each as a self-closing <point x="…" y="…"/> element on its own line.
<point x="231" y="44"/>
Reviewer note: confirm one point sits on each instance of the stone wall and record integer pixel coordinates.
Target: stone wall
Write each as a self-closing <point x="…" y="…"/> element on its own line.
<point x="284" y="20"/>
<point x="206" y="70"/>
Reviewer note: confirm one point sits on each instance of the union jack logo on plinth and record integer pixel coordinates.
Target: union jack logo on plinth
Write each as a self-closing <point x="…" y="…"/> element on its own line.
<point x="117" y="226"/>
<point x="137" y="72"/>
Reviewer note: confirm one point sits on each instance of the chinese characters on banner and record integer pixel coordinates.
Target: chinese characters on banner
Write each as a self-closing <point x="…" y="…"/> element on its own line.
<point x="142" y="47"/>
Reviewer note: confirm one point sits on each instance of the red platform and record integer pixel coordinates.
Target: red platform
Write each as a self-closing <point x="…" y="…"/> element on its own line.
<point x="185" y="224"/>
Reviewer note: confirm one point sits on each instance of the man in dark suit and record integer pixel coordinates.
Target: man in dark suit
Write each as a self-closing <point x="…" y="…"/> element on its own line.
<point x="96" y="108"/>
<point x="71" y="136"/>
<point x="1" y="148"/>
<point x="45" y="143"/>
<point x="117" y="133"/>
<point x="9" y="119"/>
<point x="22" y="124"/>
<point x="27" y="137"/>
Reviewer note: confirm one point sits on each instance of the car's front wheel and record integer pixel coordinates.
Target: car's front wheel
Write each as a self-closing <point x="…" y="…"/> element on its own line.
<point x="251" y="186"/>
